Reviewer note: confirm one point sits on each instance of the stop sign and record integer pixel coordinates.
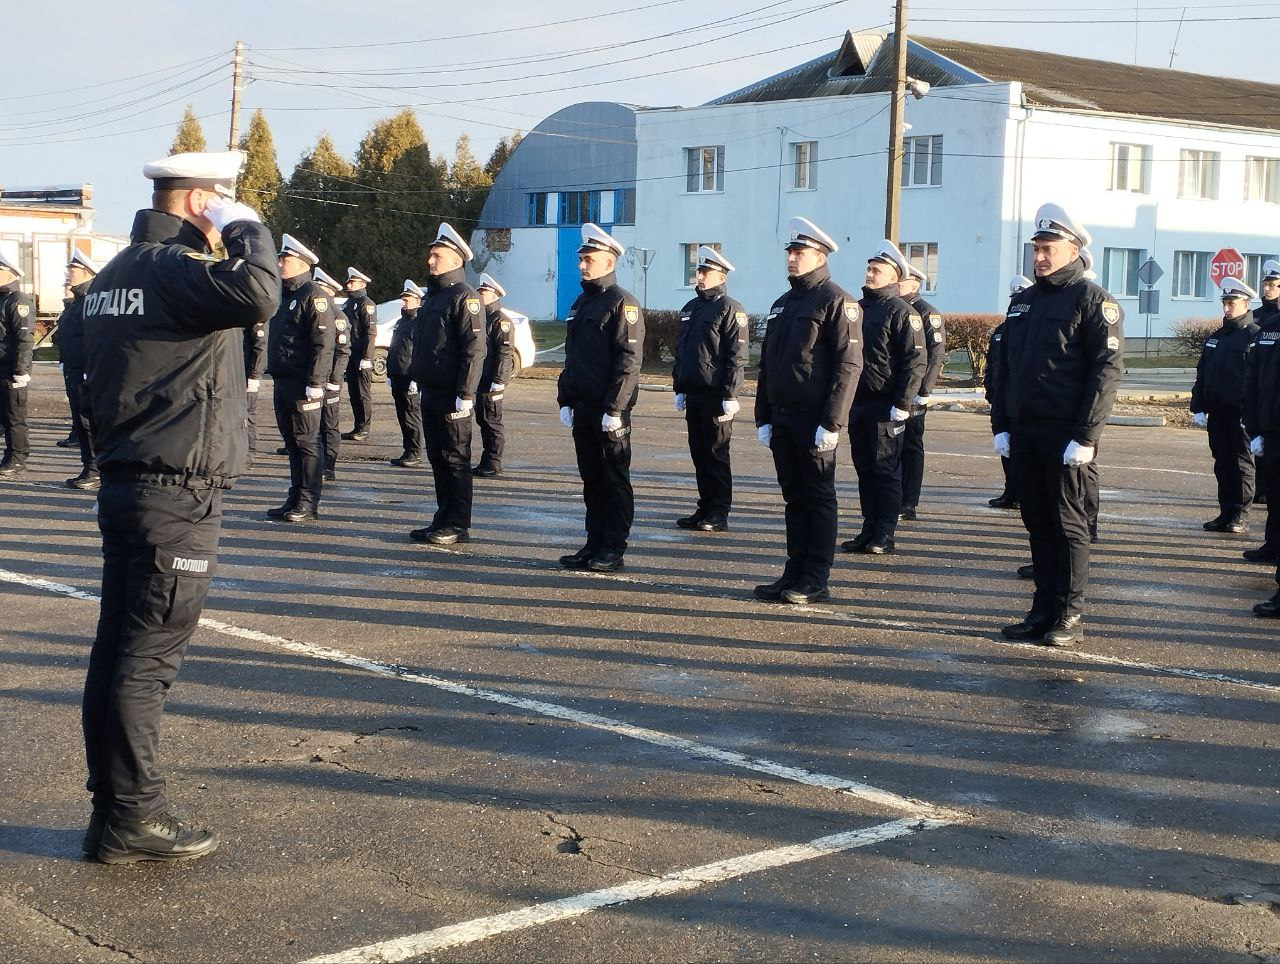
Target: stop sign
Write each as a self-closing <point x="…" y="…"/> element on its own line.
<point x="1227" y="263"/>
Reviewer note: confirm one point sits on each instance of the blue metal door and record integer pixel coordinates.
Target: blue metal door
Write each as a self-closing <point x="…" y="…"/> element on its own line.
<point x="568" y="285"/>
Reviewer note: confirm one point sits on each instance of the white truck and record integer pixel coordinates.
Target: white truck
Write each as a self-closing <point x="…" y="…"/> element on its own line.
<point x="389" y="312"/>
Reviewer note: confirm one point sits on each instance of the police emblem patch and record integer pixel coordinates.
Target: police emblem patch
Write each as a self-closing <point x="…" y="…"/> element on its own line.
<point x="504" y="325"/>
<point x="340" y="324"/>
<point x="321" y="304"/>
<point x="631" y="313"/>
<point x="23" y="311"/>
<point x="916" y="324"/>
<point x="741" y="318"/>
<point x="368" y="309"/>
<point x="935" y="320"/>
<point x="850" y="310"/>
<point x="473" y="305"/>
<point x="1110" y="312"/>
<point x="1113" y="343"/>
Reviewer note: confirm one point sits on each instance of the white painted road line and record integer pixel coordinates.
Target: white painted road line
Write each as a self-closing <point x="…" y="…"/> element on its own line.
<point x="702" y="751"/>
<point x="482" y="928"/>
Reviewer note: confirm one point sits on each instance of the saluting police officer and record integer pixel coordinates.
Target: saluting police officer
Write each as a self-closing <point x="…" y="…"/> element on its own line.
<point x="331" y="413"/>
<point x="1006" y="499"/>
<point x="935" y="340"/>
<point x="81" y="271"/>
<point x="810" y="363"/>
<point x="1060" y="368"/>
<point x="598" y="388"/>
<point x="448" y="356"/>
<point x="17" y="325"/>
<point x="404" y="393"/>
<point x="362" y="314"/>
<point x="893" y="366"/>
<point x="1217" y="404"/>
<point x="165" y="371"/>
<point x="300" y="345"/>
<point x="711" y="356"/>
<point x="499" y="366"/>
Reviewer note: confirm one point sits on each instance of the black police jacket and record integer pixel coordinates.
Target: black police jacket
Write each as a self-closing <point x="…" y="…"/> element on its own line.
<point x="712" y="342"/>
<point x="400" y="354"/>
<point x="1267" y="313"/>
<point x="935" y="342"/>
<point x="69" y="335"/>
<point x="603" y="349"/>
<point x="255" y="349"/>
<point x="300" y="337"/>
<point x="1220" y="373"/>
<point x="499" y="357"/>
<point x="341" y="343"/>
<point x="1262" y="382"/>
<point x="811" y="358"/>
<point x="362" y="313"/>
<point x="17" y="330"/>
<point x="1062" y="357"/>
<point x="893" y="352"/>
<point x="448" y="338"/>
<point x="164" y="351"/>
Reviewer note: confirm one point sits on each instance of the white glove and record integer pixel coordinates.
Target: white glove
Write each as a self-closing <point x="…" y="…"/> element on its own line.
<point x="330" y="386"/>
<point x="463" y="406"/>
<point x="825" y="441"/>
<point x="496" y="387"/>
<point x="365" y="365"/>
<point x="413" y="388"/>
<point x="1255" y="446"/>
<point x="1077" y="454"/>
<point x="253" y="385"/>
<point x="222" y="211"/>
<point x="1001" y="444"/>
<point x="731" y="407"/>
<point x="62" y="368"/>
<point x="20" y="381"/>
<point x="610" y="423"/>
<point x="898" y="415"/>
<point x="566" y="416"/>
<point x="1199" y="419"/>
<point x="679" y="402"/>
<point x="765" y="434"/>
<point x="314" y="393"/>
<point x="921" y="400"/>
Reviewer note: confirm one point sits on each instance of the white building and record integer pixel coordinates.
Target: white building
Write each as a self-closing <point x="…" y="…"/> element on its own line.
<point x="1156" y="163"/>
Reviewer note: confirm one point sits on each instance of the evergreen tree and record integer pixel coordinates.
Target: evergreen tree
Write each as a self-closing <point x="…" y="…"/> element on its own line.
<point x="468" y="185"/>
<point x="317" y="198"/>
<point x="504" y="149"/>
<point x="190" y="136"/>
<point x="260" y="181"/>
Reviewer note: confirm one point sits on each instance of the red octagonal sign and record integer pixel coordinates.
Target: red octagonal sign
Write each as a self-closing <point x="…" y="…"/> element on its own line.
<point x="1227" y="263"/>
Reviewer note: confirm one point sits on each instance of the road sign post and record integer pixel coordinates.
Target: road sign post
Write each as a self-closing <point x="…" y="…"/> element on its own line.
<point x="1227" y="263"/>
<point x="1149" y="272"/>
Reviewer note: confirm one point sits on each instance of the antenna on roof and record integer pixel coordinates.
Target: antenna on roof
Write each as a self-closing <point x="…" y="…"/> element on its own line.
<point x="1174" y="52"/>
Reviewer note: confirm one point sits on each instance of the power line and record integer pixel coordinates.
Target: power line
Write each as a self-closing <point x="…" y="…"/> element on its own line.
<point x="109" y="83"/>
<point x="82" y="102"/>
<point x="1075" y="21"/>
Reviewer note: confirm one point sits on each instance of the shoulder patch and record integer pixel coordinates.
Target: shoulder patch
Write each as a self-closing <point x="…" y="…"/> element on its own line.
<point x="23" y="311"/>
<point x="369" y="309"/>
<point x="473" y="305"/>
<point x="1110" y="312"/>
<point x="340" y="323"/>
<point x="916" y="323"/>
<point x="935" y="320"/>
<point x="1113" y="343"/>
<point x="851" y="310"/>
<point x="741" y="318"/>
<point x="197" y="256"/>
<point x="631" y="313"/>
<point x="504" y="325"/>
<point x="320" y="304"/>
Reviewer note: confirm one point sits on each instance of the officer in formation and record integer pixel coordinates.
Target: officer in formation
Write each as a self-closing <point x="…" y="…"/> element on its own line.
<point x="711" y="356"/>
<point x="17" y="326"/>
<point x="1217" y="404"/>
<point x="893" y="366"/>
<point x="69" y="337"/>
<point x="1006" y="499"/>
<point x="331" y="413"/>
<point x="448" y="355"/>
<point x="935" y="340"/>
<point x="255" y="363"/>
<point x="1262" y="424"/>
<point x="300" y="345"/>
<point x="1060" y="367"/>
<point x="1263" y="316"/>
<point x="598" y="388"/>
<point x="165" y="375"/>
<point x="810" y="364"/>
<point x="499" y="365"/>
<point x="362" y="317"/>
<point x="404" y="393"/>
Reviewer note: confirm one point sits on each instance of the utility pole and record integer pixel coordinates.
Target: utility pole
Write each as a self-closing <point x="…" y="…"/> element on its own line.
<point x="893" y="185"/>
<point x="237" y="83"/>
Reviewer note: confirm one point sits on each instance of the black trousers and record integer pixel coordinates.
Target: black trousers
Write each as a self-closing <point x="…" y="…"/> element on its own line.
<point x="159" y="550"/>
<point x="251" y="422"/>
<point x="408" y="414"/>
<point x="1054" y="510"/>
<point x="331" y="428"/>
<point x="877" y="457"/>
<point x="808" y="481"/>
<point x="604" y="464"/>
<point x="1092" y="494"/>
<point x="299" y="422"/>
<point x="710" y="433"/>
<point x="1270" y="463"/>
<point x="1232" y="463"/>
<point x="13" y="418"/>
<point x="913" y="456"/>
<point x="73" y="380"/>
<point x="448" y="443"/>
<point x="492" y="437"/>
<point x="360" y="391"/>
<point x="1008" y="479"/>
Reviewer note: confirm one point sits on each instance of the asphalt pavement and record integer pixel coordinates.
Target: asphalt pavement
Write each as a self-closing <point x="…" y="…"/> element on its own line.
<point x="468" y="754"/>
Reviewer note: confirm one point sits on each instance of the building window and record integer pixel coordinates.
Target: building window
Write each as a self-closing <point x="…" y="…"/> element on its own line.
<point x="538" y="208"/>
<point x="1253" y="269"/>
<point x="924" y="255"/>
<point x="579" y="207"/>
<point x="1191" y="274"/>
<point x="704" y="169"/>
<point x="1198" y="174"/>
<point x="624" y="205"/>
<point x="1262" y="179"/>
<point x="804" y="162"/>
<point x="1131" y="168"/>
<point x="922" y="161"/>
<point x="1120" y="271"/>
<point x="689" y="258"/>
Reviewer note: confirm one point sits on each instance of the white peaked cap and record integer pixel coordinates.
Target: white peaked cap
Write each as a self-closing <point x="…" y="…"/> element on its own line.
<point x="291" y="245"/>
<point x="888" y="253"/>
<point x="5" y="262"/>
<point x="1019" y="282"/>
<point x="711" y="258"/>
<point x="596" y="238"/>
<point x="1235" y="288"/>
<point x="1052" y="221"/>
<point x="82" y="260"/>
<point x="355" y="274"/>
<point x="323" y="277"/>
<point x="490" y="282"/>
<point x="452" y="239"/>
<point x="803" y="233"/>
<point x="411" y="288"/>
<point x="1271" y="270"/>
<point x="214" y="170"/>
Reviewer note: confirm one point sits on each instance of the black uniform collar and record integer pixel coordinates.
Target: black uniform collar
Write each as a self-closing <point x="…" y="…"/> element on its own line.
<point x="600" y="284"/>
<point x="296" y="282"/>
<point x="437" y="282"/>
<point x="1270" y="303"/>
<point x="910" y="299"/>
<point x="9" y="289"/>
<point x="711" y="294"/>
<point x="408" y="312"/>
<point x="1244" y="321"/>
<point x="166" y="228"/>
<point x="80" y="290"/>
<point x="1064" y="276"/>
<point x="881" y="294"/>
<point x="805" y="282"/>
